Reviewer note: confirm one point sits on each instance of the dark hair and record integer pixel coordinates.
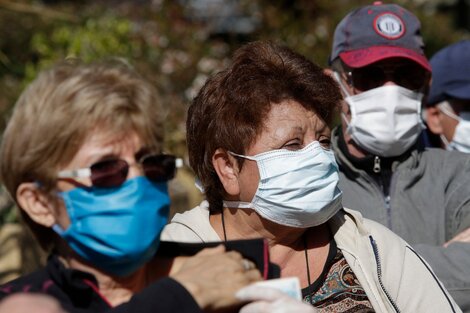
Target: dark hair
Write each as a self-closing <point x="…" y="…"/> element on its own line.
<point x="230" y="109"/>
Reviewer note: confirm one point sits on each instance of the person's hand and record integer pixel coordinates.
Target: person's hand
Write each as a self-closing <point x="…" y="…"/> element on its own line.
<point x="270" y="300"/>
<point x="28" y="302"/>
<point x="213" y="276"/>
<point x="463" y="236"/>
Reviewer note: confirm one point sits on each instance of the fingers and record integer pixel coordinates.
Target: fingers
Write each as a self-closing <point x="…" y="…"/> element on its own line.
<point x="253" y="275"/>
<point x="248" y="265"/>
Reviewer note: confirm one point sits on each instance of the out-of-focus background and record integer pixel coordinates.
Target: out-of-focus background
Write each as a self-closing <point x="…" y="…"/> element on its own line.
<point x="176" y="44"/>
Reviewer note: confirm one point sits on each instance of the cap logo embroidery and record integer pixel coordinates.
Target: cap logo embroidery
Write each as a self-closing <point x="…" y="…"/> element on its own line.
<point x="389" y="25"/>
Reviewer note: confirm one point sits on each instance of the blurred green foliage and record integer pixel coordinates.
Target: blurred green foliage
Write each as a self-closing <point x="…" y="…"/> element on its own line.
<point x="167" y="46"/>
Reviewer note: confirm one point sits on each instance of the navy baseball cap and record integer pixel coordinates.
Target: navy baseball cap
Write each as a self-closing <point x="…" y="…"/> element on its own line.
<point x="450" y="73"/>
<point x="376" y="32"/>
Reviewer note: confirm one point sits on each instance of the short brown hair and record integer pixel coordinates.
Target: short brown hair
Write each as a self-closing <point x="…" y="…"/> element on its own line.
<point x="230" y="109"/>
<point x="60" y="108"/>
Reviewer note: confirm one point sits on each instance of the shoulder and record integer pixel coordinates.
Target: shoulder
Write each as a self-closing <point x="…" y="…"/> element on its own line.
<point x="191" y="226"/>
<point x="351" y="224"/>
<point x="436" y="156"/>
<point x="451" y="168"/>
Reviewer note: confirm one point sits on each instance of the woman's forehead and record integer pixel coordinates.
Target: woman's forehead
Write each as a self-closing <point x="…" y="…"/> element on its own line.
<point x="292" y="113"/>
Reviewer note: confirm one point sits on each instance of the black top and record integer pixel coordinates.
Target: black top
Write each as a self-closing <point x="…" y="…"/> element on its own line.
<point x="77" y="292"/>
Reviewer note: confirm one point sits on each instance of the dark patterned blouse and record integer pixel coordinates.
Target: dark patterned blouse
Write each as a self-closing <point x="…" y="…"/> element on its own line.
<point x="337" y="289"/>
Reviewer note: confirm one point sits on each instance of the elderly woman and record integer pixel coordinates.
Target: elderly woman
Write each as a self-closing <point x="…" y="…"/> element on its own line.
<point x="258" y="137"/>
<point x="82" y="157"/>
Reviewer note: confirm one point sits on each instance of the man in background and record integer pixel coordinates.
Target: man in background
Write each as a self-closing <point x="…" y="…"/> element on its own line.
<point x="422" y="195"/>
<point x="448" y="104"/>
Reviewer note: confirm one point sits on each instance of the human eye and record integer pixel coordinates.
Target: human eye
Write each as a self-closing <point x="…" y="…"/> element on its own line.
<point x="292" y="145"/>
<point x="325" y="142"/>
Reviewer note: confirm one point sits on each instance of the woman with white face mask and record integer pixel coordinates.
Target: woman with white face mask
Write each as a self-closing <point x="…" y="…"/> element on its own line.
<point x="258" y="139"/>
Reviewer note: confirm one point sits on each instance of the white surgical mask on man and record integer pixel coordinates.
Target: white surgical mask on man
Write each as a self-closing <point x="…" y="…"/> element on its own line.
<point x="461" y="139"/>
<point x="385" y="121"/>
<point x="296" y="188"/>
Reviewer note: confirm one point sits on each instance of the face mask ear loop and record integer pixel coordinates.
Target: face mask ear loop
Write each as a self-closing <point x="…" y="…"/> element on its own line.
<point x="242" y="156"/>
<point x="422" y="117"/>
<point x="348" y="128"/>
<point x="343" y="116"/>
<point x="337" y="77"/>
<point x="445" y="141"/>
<point x="445" y="108"/>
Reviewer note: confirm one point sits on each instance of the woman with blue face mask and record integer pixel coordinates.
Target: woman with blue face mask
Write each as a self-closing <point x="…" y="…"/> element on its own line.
<point x="82" y="157"/>
<point x="258" y="136"/>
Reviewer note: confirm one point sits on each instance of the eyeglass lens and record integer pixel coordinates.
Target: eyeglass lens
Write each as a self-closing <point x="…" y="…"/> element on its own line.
<point x="410" y="76"/>
<point x="112" y="173"/>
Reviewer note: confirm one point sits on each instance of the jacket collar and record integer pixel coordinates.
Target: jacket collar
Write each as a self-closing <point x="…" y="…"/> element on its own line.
<point x="352" y="227"/>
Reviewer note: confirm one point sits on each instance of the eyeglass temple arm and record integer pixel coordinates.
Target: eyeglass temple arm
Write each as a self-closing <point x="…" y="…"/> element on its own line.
<point x="78" y="173"/>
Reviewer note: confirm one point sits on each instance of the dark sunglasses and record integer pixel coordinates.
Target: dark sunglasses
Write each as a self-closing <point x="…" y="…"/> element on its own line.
<point x="113" y="173"/>
<point x="409" y="76"/>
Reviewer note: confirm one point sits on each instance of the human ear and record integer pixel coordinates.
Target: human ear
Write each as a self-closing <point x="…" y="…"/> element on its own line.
<point x="433" y="120"/>
<point x="226" y="168"/>
<point x="36" y="204"/>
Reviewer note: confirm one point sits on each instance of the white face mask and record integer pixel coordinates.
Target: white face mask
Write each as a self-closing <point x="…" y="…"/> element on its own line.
<point x="461" y="139"/>
<point x="296" y="188"/>
<point x="385" y="121"/>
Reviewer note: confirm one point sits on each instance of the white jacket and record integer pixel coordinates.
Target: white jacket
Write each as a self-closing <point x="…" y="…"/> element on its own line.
<point x="394" y="277"/>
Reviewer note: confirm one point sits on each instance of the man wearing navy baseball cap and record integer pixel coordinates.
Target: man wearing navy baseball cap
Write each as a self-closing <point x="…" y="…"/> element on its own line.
<point x="448" y="104"/>
<point x="423" y="195"/>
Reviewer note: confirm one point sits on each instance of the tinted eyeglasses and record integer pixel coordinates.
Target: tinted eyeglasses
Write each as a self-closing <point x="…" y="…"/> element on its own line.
<point x="410" y="76"/>
<point x="113" y="173"/>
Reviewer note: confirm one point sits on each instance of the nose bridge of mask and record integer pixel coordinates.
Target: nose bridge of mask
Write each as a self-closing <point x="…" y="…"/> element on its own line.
<point x="387" y="100"/>
<point x="277" y="163"/>
<point x="337" y="77"/>
<point x="272" y="163"/>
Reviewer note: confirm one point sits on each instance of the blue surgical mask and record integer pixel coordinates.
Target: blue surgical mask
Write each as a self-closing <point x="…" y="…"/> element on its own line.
<point x="296" y="188"/>
<point x="116" y="229"/>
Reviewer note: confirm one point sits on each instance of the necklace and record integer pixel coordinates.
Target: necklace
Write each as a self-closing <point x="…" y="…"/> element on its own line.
<point x="305" y="251"/>
<point x="308" y="269"/>
<point x="223" y="226"/>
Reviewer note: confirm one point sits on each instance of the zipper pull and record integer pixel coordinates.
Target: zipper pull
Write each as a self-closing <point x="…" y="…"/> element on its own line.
<point x="377" y="164"/>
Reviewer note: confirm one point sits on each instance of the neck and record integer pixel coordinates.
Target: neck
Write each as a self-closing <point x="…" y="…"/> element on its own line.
<point x="287" y="245"/>
<point x="247" y="224"/>
<point x="116" y="290"/>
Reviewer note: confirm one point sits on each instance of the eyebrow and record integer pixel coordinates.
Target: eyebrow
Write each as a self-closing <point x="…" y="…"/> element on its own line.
<point x="143" y="151"/>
